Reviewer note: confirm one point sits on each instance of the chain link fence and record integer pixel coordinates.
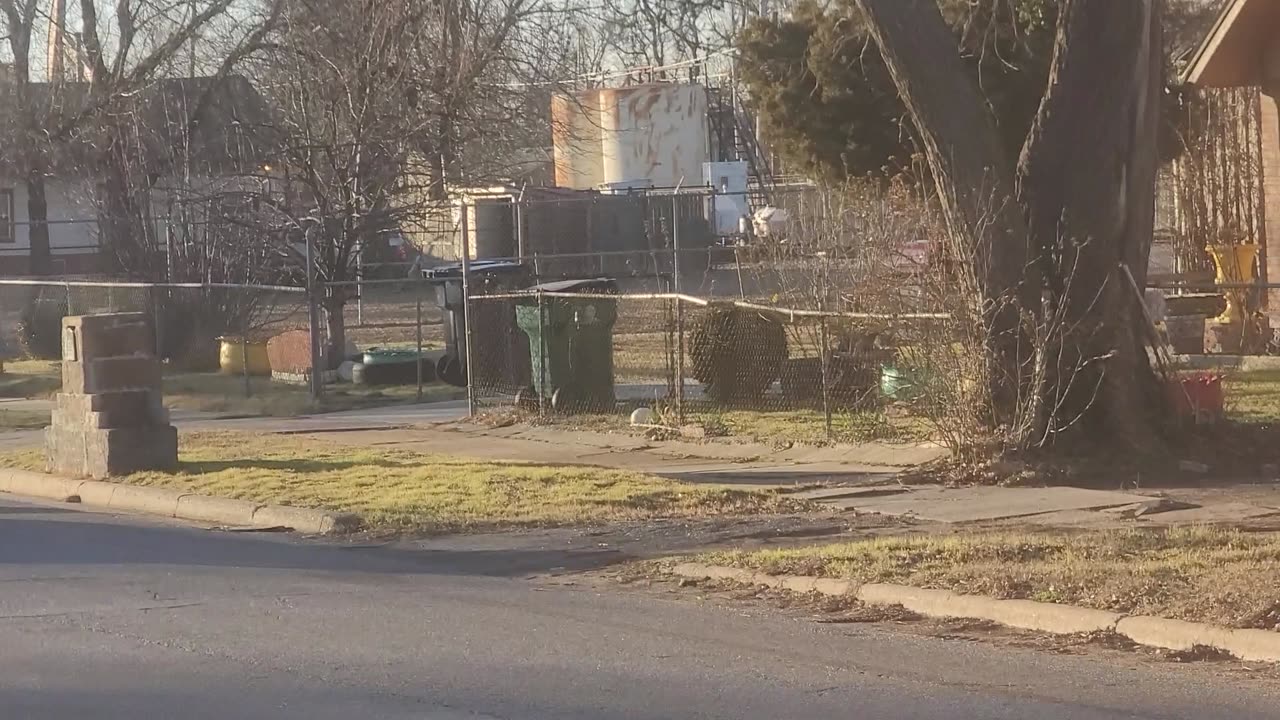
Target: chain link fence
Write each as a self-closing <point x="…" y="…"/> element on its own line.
<point x="734" y="345"/>
<point x="212" y="338"/>
<point x="584" y="310"/>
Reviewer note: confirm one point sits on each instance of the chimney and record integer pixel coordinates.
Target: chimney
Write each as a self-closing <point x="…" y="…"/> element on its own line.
<point x="57" y="58"/>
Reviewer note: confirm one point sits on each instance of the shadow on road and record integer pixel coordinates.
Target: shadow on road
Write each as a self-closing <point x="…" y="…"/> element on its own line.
<point x="77" y="540"/>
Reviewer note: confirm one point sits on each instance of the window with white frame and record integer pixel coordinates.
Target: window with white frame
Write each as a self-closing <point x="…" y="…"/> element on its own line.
<point x="6" y="216"/>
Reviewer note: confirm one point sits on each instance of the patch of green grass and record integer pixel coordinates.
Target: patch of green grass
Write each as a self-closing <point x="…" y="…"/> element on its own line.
<point x="1199" y="573"/>
<point x="1254" y="396"/>
<point x="30" y="378"/>
<point x="23" y="419"/>
<point x="810" y="427"/>
<point x="406" y="491"/>
<point x="807" y="427"/>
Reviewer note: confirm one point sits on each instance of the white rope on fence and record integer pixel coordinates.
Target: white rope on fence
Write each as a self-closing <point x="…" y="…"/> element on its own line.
<point x="704" y="302"/>
<point x="145" y="285"/>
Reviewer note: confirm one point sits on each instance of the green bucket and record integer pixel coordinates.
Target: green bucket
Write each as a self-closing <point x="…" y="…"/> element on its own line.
<point x="389" y="357"/>
<point x="899" y="384"/>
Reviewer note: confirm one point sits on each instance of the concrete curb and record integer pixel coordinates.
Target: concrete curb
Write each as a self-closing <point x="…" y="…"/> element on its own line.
<point x="1021" y="614"/>
<point x="176" y="504"/>
<point x="1255" y="645"/>
<point x="1249" y="645"/>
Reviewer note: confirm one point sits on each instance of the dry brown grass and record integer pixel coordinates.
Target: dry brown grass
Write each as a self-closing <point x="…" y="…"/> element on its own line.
<point x="1201" y="574"/>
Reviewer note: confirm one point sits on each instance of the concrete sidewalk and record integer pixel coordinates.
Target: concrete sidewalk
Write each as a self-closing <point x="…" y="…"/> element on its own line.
<point x="740" y="464"/>
<point x="855" y="478"/>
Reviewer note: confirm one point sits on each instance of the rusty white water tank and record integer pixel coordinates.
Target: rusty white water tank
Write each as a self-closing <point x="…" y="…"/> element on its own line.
<point x="621" y="136"/>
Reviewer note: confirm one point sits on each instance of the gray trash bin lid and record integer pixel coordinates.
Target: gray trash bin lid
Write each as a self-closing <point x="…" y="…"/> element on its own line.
<point x="586" y="286"/>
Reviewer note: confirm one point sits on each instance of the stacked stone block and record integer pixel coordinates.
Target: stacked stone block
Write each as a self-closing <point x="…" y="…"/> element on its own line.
<point x="110" y="417"/>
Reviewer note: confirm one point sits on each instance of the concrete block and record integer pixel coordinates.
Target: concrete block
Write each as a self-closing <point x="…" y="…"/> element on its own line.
<point x="110" y="418"/>
<point x="130" y="450"/>
<point x="107" y="335"/>
<point x="303" y="520"/>
<point x="102" y="375"/>
<point x="65" y="451"/>
<point x="101" y="453"/>
<point x="223" y="511"/>
<point x="120" y="409"/>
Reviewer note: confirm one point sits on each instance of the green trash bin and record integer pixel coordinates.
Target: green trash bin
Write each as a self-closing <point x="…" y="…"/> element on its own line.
<point x="571" y="344"/>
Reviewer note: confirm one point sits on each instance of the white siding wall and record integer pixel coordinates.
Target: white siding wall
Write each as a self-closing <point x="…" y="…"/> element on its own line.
<point x="73" y="220"/>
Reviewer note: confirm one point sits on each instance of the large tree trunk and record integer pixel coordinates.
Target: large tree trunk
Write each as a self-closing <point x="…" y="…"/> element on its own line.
<point x="40" y="253"/>
<point x="1087" y="180"/>
<point x="974" y="180"/>
<point x="335" y="349"/>
<point x="1085" y="204"/>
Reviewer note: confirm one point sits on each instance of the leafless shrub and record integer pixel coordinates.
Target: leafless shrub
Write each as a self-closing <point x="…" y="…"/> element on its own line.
<point x="879" y="258"/>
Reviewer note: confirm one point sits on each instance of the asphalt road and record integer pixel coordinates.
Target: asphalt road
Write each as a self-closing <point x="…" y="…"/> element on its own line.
<point x="111" y="617"/>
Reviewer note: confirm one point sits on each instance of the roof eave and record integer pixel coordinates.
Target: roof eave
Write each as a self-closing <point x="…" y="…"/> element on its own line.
<point x="1194" y="73"/>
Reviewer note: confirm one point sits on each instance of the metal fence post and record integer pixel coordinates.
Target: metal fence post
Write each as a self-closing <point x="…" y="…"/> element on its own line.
<point x="676" y="285"/>
<point x="360" y="284"/>
<point x="542" y="354"/>
<point x="826" y="344"/>
<point x="826" y="375"/>
<point x="469" y="362"/>
<point x="157" y="323"/>
<point x="418" y="293"/>
<point x="244" y="361"/>
<point x="316" y="355"/>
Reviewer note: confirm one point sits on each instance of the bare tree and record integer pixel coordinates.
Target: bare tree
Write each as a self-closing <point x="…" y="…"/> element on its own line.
<point x="380" y="106"/>
<point x="1060" y="235"/>
<point x="659" y="33"/>
<point x="53" y="115"/>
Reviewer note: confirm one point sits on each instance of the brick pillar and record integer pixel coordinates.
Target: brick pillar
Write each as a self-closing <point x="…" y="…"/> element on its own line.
<point x="1270" y="259"/>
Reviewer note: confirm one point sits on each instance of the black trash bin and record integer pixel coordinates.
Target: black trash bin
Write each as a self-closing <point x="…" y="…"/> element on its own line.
<point x="571" y="343"/>
<point x="500" y="349"/>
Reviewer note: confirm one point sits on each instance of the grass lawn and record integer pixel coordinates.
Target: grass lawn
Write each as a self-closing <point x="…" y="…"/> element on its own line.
<point x="30" y="378"/>
<point x="213" y="392"/>
<point x="809" y="426"/>
<point x="23" y="419"/>
<point x="769" y="426"/>
<point x="1254" y="396"/>
<point x="405" y="491"/>
<point x="1199" y="574"/>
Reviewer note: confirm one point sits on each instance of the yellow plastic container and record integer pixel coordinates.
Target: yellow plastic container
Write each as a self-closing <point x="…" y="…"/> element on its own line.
<point x="1235" y="266"/>
<point x="232" y="354"/>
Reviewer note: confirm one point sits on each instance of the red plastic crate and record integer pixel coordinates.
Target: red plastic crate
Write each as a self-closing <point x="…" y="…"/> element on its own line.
<point x="1197" y="398"/>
